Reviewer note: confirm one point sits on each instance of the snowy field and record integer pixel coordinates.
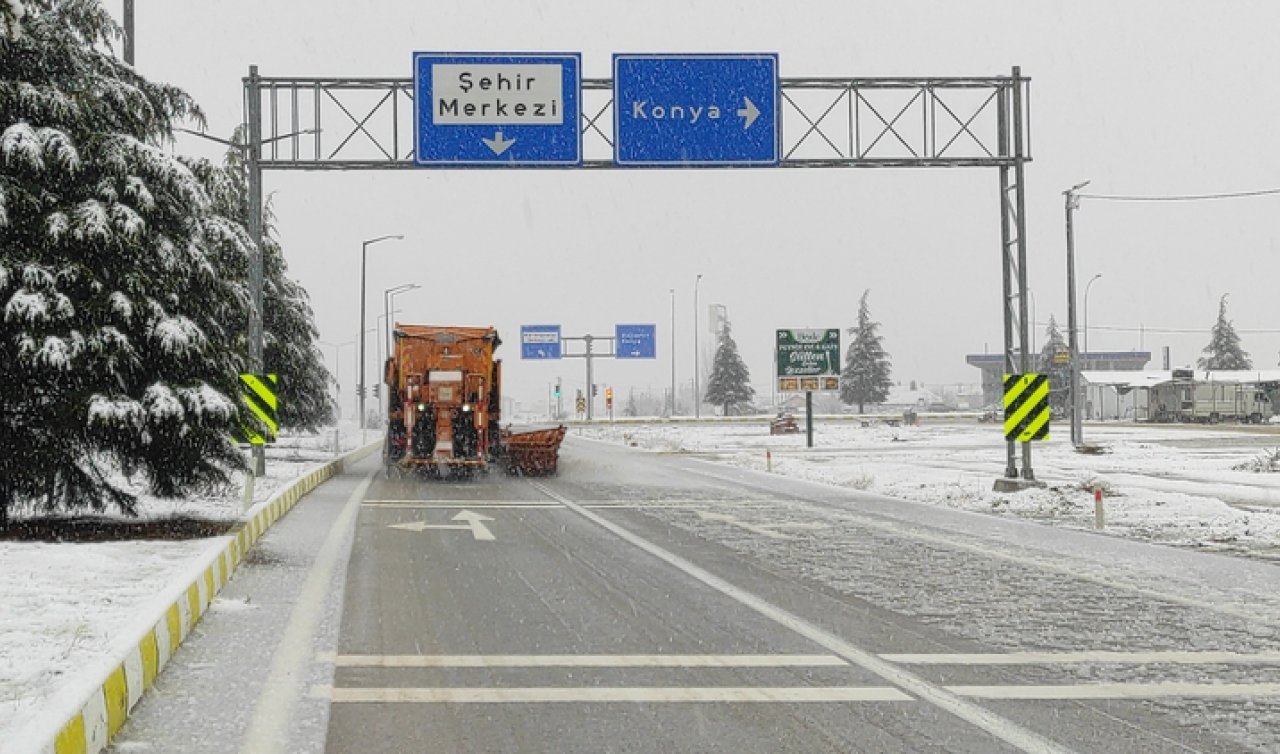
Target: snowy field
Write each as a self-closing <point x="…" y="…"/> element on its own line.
<point x="1181" y="485"/>
<point x="64" y="605"/>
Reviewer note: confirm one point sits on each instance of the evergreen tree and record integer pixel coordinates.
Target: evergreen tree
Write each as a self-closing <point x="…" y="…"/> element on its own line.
<point x="865" y="378"/>
<point x="1224" y="351"/>
<point x="1059" y="373"/>
<point x="288" y="322"/>
<point x="632" y="409"/>
<point x="730" y="383"/>
<point x="118" y="276"/>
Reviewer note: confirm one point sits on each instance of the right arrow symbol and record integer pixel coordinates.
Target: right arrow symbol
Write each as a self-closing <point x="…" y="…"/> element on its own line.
<point x="749" y="112"/>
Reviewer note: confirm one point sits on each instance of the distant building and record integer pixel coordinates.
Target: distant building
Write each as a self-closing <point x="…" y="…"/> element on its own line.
<point x="992" y="366"/>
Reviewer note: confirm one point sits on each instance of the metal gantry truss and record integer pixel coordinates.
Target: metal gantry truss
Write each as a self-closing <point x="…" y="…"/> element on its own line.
<point x="338" y="123"/>
<point x="367" y="123"/>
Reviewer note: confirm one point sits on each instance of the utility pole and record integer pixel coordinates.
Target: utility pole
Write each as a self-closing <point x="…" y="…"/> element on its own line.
<point x="253" y="160"/>
<point x="697" y="398"/>
<point x="1073" y="202"/>
<point x="128" y="32"/>
<point x="673" y="352"/>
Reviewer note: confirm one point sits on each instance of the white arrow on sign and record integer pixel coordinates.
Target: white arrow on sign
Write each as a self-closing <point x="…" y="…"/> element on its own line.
<point x="499" y="144"/>
<point x="470" y="520"/>
<point x="749" y="112"/>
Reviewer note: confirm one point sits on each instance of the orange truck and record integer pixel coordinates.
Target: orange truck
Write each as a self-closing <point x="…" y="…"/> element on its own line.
<point x="445" y="405"/>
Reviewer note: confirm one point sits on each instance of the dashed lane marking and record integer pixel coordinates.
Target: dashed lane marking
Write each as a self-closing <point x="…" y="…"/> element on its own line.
<point x="644" y="694"/>
<point x="583" y="661"/>
<point x="1056" y="658"/>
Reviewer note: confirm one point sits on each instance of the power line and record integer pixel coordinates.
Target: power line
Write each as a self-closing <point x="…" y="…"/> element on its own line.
<point x="1182" y="197"/>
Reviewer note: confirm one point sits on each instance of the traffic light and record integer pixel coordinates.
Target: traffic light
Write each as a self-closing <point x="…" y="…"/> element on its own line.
<point x="557" y="389"/>
<point x="375" y="390"/>
<point x="595" y="390"/>
<point x="360" y="390"/>
<point x="608" y="397"/>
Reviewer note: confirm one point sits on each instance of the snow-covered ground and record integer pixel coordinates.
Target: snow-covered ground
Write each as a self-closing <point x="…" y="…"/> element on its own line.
<point x="1178" y="485"/>
<point x="63" y="604"/>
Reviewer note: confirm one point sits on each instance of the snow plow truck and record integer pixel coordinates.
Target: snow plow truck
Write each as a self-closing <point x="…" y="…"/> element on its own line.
<point x="444" y="408"/>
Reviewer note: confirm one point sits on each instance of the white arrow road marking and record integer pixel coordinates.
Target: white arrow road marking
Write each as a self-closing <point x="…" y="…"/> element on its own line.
<point x="498" y="144"/>
<point x="764" y="530"/>
<point x="749" y="111"/>
<point x="470" y="521"/>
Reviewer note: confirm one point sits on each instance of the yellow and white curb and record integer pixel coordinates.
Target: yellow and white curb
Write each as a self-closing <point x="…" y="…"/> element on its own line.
<point x="101" y="716"/>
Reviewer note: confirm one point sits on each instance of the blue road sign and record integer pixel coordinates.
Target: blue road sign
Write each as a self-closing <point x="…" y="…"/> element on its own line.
<point x="540" y="341"/>
<point x="635" y="341"/>
<point x="690" y="110"/>
<point x="500" y="110"/>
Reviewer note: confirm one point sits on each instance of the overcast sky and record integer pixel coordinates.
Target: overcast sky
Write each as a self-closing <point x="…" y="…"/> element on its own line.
<point x="1140" y="96"/>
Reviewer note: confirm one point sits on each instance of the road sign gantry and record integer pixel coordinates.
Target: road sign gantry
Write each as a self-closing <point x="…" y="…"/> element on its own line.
<point x="355" y="123"/>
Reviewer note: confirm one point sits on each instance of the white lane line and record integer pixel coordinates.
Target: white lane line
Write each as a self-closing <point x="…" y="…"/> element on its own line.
<point x="584" y="661"/>
<point x="1006" y="730"/>
<point x="1056" y="658"/>
<point x="645" y="694"/>
<point x="457" y="504"/>
<point x="1120" y="691"/>
<point x="274" y="711"/>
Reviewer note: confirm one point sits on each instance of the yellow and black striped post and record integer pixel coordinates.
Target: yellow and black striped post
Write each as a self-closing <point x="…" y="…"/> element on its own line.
<point x="1026" y="407"/>
<point x="258" y="394"/>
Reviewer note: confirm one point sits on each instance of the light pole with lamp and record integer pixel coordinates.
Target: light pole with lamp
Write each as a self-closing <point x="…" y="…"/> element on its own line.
<point x="1072" y="203"/>
<point x="697" y="398"/>
<point x="337" y="360"/>
<point x="1086" y="315"/>
<point x="673" y="352"/>
<point x="388" y="301"/>
<point x="364" y="257"/>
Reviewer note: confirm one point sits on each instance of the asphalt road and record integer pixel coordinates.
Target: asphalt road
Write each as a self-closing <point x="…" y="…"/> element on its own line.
<point x="645" y="602"/>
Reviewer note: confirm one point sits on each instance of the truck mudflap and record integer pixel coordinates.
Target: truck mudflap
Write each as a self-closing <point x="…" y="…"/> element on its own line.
<point x="534" y="453"/>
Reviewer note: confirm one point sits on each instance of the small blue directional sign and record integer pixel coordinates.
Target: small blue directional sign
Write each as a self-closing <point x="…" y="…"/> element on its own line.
<point x="498" y="110"/>
<point x="691" y="110"/>
<point x="540" y="341"/>
<point x="635" y="341"/>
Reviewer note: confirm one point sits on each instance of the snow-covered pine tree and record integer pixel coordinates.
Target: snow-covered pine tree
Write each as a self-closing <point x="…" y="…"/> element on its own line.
<point x="865" y="378"/>
<point x="1059" y="373"/>
<point x="730" y="383"/>
<point x="288" y="323"/>
<point x="1224" y="351"/>
<point x="115" y="296"/>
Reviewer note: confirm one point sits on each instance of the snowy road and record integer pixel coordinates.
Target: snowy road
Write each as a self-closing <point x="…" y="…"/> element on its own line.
<point x="647" y="602"/>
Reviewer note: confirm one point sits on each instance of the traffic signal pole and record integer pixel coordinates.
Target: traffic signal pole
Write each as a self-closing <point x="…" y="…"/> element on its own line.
<point x="589" y="354"/>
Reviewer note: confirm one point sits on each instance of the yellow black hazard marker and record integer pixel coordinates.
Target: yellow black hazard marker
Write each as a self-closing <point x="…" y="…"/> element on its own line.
<point x="258" y="394"/>
<point x="1026" y="407"/>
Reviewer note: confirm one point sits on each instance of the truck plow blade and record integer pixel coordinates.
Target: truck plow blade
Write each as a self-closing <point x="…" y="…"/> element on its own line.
<point x="532" y="453"/>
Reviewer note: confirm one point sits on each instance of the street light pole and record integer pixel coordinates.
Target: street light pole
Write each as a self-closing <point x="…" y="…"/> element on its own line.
<point x="673" y="352"/>
<point x="364" y="257"/>
<point x="1086" y="312"/>
<point x="129" y="33"/>
<point x="697" y="397"/>
<point x="388" y="300"/>
<point x="1086" y="321"/>
<point x="1072" y="203"/>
